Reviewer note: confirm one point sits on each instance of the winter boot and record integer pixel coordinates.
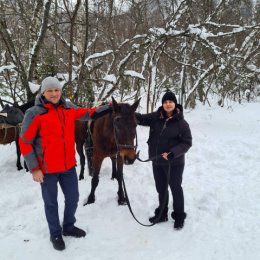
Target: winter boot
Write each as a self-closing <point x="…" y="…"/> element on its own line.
<point x="74" y="232"/>
<point x="179" y="219"/>
<point x="58" y="242"/>
<point x="163" y="218"/>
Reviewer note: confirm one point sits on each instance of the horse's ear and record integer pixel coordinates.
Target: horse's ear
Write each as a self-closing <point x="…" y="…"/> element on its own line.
<point x="115" y="105"/>
<point x="135" y="105"/>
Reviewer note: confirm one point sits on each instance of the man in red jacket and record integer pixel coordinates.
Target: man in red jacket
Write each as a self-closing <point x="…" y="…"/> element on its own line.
<point x="47" y="142"/>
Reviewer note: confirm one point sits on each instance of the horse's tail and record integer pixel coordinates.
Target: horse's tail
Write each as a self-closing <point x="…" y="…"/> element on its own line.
<point x="89" y="147"/>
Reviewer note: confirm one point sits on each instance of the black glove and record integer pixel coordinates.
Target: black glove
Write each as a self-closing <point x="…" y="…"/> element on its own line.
<point x="170" y="156"/>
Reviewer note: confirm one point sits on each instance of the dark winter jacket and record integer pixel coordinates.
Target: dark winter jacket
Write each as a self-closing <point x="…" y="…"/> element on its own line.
<point x="47" y="138"/>
<point x="167" y="134"/>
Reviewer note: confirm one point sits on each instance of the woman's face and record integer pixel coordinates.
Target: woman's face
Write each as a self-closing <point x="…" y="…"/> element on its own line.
<point x="168" y="106"/>
<point x="52" y="95"/>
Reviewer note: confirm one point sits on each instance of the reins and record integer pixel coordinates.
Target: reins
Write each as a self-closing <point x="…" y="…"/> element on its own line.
<point x="124" y="186"/>
<point x="164" y="198"/>
<point x="127" y="146"/>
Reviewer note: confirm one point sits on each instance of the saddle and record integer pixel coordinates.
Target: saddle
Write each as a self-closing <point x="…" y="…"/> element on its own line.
<point x="10" y="122"/>
<point x="7" y="126"/>
<point x="11" y="116"/>
<point x="6" y="130"/>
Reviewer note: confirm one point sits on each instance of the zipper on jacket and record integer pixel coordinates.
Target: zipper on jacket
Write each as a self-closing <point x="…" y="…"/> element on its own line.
<point x="164" y="125"/>
<point x="163" y="128"/>
<point x="158" y="140"/>
<point x="63" y="137"/>
<point x="65" y="147"/>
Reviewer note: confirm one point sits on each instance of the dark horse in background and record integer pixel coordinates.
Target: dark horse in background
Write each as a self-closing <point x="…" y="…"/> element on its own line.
<point x="10" y="119"/>
<point x="113" y="136"/>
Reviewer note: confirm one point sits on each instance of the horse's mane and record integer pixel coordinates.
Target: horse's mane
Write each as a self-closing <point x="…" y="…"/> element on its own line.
<point x="27" y="105"/>
<point x="125" y="108"/>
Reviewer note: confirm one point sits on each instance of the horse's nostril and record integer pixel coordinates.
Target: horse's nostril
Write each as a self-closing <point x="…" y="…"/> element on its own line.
<point x="128" y="160"/>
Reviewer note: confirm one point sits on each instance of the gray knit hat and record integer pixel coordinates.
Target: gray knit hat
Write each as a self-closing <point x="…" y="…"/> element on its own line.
<point x="50" y="82"/>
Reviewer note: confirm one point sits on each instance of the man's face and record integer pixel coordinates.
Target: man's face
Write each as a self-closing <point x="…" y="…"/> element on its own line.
<point x="52" y="95"/>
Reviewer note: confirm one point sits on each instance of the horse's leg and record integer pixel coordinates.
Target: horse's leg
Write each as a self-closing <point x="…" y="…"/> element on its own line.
<point x="89" y="160"/>
<point x="114" y="171"/>
<point x="18" y="152"/>
<point x="89" y="152"/>
<point x="95" y="179"/>
<point x="79" y="147"/>
<point x="121" y="195"/>
<point x="25" y="166"/>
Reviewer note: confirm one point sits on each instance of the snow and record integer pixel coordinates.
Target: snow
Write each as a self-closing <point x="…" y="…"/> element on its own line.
<point x="110" y="78"/>
<point x="134" y="74"/>
<point x="222" y="199"/>
<point x="7" y="67"/>
<point x="253" y="68"/>
<point x="34" y="87"/>
<point x="97" y="55"/>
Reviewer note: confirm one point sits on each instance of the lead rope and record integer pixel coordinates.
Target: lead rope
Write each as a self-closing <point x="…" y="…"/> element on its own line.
<point x="164" y="199"/>
<point x="124" y="186"/>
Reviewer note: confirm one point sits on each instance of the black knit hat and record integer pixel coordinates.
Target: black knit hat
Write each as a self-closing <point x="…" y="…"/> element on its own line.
<point x="169" y="96"/>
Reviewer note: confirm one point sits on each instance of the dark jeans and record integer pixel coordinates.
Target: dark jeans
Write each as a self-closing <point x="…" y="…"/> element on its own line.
<point x="160" y="177"/>
<point x="69" y="184"/>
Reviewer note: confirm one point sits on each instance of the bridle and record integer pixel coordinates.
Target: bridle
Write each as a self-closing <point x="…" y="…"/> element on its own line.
<point x="118" y="145"/>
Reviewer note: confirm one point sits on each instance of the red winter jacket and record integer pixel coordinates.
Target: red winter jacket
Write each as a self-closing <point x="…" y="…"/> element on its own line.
<point x="47" y="139"/>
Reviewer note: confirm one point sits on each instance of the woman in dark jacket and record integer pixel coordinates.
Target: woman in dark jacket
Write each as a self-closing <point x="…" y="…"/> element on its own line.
<point x="170" y="138"/>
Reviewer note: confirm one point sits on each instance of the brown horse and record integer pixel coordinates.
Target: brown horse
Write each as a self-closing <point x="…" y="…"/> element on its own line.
<point x="10" y="118"/>
<point x="81" y="135"/>
<point x="113" y="136"/>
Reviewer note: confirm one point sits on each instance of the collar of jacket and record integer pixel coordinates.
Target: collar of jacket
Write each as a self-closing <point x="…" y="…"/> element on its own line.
<point x="41" y="101"/>
<point x="177" y="113"/>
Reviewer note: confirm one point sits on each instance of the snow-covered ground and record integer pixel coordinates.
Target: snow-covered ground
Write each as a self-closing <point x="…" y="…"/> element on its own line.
<point x="222" y="198"/>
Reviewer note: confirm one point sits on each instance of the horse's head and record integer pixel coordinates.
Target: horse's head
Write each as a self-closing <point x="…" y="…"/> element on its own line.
<point x="11" y="115"/>
<point x="124" y="123"/>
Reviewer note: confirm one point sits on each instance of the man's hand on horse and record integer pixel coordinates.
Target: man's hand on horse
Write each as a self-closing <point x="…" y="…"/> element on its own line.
<point x="37" y="176"/>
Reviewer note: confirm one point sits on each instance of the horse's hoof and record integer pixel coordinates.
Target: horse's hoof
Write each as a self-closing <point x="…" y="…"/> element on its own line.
<point x="81" y="178"/>
<point x="90" y="200"/>
<point x="19" y="168"/>
<point x="122" y="202"/>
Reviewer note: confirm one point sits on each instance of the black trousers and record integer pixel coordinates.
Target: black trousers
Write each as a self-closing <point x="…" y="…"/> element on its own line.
<point x="160" y="176"/>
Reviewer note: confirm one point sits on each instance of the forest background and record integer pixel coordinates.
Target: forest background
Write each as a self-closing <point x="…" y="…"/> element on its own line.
<point x="130" y="48"/>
